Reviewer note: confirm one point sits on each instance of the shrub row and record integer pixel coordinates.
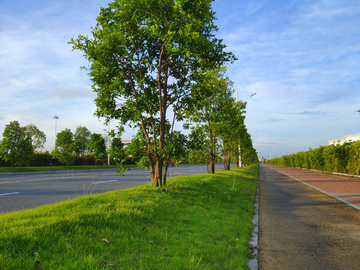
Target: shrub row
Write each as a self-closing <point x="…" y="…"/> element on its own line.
<point x="340" y="158"/>
<point x="45" y="159"/>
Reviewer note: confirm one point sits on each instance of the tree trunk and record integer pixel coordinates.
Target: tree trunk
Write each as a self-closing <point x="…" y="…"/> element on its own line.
<point x="212" y="162"/>
<point x="228" y="162"/>
<point x="152" y="169"/>
<point x="158" y="173"/>
<point x="165" y="173"/>
<point x="207" y="165"/>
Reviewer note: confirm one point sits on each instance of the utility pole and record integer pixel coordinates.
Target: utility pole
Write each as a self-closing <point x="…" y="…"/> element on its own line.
<point x="358" y="112"/>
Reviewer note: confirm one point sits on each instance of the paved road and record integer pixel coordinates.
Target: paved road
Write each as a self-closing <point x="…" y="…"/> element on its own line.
<point x="24" y="191"/>
<point x="302" y="228"/>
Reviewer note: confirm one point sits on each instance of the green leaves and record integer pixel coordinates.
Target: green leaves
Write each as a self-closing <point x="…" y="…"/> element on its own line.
<point x="96" y="146"/>
<point x="64" y="147"/>
<point x="147" y="54"/>
<point x="36" y="136"/>
<point x="16" y="145"/>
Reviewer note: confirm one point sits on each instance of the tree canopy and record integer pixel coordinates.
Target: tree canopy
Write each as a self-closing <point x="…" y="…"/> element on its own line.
<point x="96" y="146"/>
<point x="37" y="137"/>
<point x="81" y="139"/>
<point x="145" y="56"/>
<point x="16" y="146"/>
<point x="64" y="147"/>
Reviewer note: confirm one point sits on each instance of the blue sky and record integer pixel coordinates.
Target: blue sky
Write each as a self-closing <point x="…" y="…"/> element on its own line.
<point x="302" y="58"/>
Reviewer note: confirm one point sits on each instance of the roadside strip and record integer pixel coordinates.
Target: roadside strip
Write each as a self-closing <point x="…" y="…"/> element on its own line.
<point x="350" y="198"/>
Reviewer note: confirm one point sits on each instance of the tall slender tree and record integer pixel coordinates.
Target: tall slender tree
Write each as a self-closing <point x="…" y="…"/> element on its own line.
<point x="145" y="54"/>
<point x="215" y="111"/>
<point x="81" y="139"/>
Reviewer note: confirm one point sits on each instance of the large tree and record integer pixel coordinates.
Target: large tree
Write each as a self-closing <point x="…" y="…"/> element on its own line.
<point x="15" y="146"/>
<point x="81" y="138"/>
<point x="144" y="57"/>
<point x="36" y="136"/>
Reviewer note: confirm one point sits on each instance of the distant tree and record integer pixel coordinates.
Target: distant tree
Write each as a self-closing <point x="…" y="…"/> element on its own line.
<point x="212" y="115"/>
<point x="15" y="146"/>
<point x="64" y="147"/>
<point x="117" y="150"/>
<point x="81" y="139"/>
<point x="37" y="137"/>
<point x="96" y="146"/>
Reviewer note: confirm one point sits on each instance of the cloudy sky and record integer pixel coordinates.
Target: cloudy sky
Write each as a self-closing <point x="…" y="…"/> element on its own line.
<point x="301" y="58"/>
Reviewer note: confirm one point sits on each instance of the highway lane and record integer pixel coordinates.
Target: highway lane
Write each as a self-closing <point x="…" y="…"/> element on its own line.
<point x="24" y="191"/>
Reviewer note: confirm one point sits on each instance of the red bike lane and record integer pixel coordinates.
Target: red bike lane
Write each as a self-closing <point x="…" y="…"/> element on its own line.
<point x="343" y="188"/>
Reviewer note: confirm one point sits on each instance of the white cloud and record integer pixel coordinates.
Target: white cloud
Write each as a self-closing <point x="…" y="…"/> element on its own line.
<point x="301" y="58"/>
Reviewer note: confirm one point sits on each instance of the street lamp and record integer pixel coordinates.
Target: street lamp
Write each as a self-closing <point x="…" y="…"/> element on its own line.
<point x="108" y="142"/>
<point x="56" y="118"/>
<point x="240" y="164"/>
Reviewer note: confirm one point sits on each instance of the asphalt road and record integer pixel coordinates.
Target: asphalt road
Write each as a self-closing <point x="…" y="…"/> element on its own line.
<point x="302" y="228"/>
<point x="24" y="191"/>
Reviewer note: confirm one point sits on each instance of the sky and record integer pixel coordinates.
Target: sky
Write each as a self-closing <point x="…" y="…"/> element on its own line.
<point x="301" y="58"/>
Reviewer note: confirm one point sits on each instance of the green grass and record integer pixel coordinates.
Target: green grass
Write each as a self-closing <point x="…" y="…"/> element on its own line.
<point x="196" y="222"/>
<point x="58" y="168"/>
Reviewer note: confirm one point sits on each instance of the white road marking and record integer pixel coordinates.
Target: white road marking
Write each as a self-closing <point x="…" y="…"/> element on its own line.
<point x="101" y="182"/>
<point x="13" y="193"/>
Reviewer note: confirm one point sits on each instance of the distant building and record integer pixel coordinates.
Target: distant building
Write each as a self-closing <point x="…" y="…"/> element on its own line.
<point x="126" y="142"/>
<point x="346" y="139"/>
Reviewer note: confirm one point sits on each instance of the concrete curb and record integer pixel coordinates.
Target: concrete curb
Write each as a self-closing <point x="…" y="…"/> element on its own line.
<point x="254" y="239"/>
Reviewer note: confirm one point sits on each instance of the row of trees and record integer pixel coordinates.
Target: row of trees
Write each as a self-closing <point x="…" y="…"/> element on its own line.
<point x="19" y="144"/>
<point x="68" y="145"/>
<point x="149" y="57"/>
<point x="206" y="143"/>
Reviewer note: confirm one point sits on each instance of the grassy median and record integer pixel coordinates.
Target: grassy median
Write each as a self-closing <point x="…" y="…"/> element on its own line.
<point x="196" y="222"/>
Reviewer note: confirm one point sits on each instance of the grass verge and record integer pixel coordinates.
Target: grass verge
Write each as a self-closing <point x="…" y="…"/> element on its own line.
<point x="196" y="222"/>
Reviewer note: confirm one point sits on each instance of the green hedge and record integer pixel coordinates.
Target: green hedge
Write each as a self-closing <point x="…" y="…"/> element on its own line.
<point x="340" y="158"/>
<point x="45" y="159"/>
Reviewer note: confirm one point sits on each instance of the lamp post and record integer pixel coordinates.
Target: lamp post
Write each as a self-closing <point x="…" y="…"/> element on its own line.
<point x="108" y="142"/>
<point x="56" y="118"/>
<point x="240" y="164"/>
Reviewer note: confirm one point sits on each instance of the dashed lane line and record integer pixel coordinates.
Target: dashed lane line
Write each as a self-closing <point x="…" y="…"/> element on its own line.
<point x="103" y="182"/>
<point x="12" y="193"/>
